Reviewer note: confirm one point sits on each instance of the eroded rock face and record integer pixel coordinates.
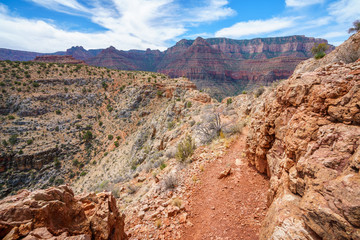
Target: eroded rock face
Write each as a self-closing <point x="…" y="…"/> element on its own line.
<point x="306" y="135"/>
<point x="55" y="213"/>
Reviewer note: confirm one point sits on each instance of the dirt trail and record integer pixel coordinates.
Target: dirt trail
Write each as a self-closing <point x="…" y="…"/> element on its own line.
<point x="228" y="208"/>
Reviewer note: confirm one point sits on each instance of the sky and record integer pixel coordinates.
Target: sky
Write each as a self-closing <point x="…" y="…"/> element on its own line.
<point x="56" y="25"/>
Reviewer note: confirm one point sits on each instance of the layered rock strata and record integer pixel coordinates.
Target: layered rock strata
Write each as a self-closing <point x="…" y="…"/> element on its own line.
<point x="305" y="135"/>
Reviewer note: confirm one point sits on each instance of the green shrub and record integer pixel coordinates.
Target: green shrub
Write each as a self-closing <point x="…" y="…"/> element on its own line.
<point x="75" y="162"/>
<point x="188" y="104"/>
<point x="110" y="137"/>
<point x="228" y="101"/>
<point x="29" y="141"/>
<point x="4" y="142"/>
<point x="319" y="50"/>
<point x="58" y="112"/>
<point x="13" y="139"/>
<point x="162" y="166"/>
<point x="88" y="136"/>
<point x="109" y="108"/>
<point x="171" y="125"/>
<point x="83" y="173"/>
<point x="185" y="149"/>
<point x="116" y="143"/>
<point x="11" y="117"/>
<point x="35" y="84"/>
<point x="79" y="116"/>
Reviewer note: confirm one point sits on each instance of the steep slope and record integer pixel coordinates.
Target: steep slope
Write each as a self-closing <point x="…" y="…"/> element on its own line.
<point x="305" y="135"/>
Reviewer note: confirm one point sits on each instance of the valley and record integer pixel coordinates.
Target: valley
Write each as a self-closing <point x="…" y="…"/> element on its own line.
<point x="141" y="155"/>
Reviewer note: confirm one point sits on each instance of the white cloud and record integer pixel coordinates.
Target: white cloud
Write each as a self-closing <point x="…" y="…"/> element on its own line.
<point x="255" y="27"/>
<point x="345" y="10"/>
<point x="302" y="3"/>
<point x="129" y="24"/>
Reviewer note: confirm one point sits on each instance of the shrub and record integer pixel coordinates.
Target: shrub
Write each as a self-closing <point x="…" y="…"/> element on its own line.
<point x="57" y="163"/>
<point x="13" y="139"/>
<point x="116" y="143"/>
<point x="162" y="166"/>
<point x="75" y="162"/>
<point x="29" y="141"/>
<point x="131" y="189"/>
<point x="228" y="101"/>
<point x="4" y="142"/>
<point x="188" y="104"/>
<point x="11" y="117"/>
<point x="259" y="91"/>
<point x="170" y="182"/>
<point x="21" y="151"/>
<point x="79" y="116"/>
<point x="58" y="112"/>
<point x="59" y="181"/>
<point x="171" y="125"/>
<point x="356" y="27"/>
<point x="319" y="50"/>
<point x="109" y="108"/>
<point x="88" y="136"/>
<point x="110" y="137"/>
<point x="36" y="84"/>
<point x="159" y="93"/>
<point x="104" y="85"/>
<point x="185" y="149"/>
<point x="83" y="173"/>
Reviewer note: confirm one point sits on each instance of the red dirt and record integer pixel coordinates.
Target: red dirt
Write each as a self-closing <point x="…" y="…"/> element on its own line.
<point x="228" y="208"/>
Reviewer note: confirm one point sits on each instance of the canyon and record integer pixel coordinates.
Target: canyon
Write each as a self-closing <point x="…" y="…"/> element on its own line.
<point x="220" y="66"/>
<point x="159" y="159"/>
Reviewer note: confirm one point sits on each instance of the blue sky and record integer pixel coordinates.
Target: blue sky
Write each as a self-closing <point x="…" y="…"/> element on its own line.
<point x="54" y="25"/>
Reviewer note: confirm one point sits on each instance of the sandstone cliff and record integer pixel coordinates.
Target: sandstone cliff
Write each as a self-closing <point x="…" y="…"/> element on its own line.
<point x="305" y="136"/>
<point x="55" y="213"/>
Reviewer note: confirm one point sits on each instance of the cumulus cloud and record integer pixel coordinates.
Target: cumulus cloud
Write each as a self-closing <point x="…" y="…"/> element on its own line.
<point x="302" y="3"/>
<point x="129" y="24"/>
<point x="254" y="27"/>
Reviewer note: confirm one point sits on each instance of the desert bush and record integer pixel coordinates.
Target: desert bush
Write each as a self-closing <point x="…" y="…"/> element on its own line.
<point x="13" y="139"/>
<point x="356" y="27"/>
<point x="228" y="101"/>
<point x="185" y="148"/>
<point x="211" y="127"/>
<point x="88" y="136"/>
<point x="29" y="141"/>
<point x="110" y="137"/>
<point x="170" y="182"/>
<point x="79" y="116"/>
<point x="11" y="117"/>
<point x="319" y="50"/>
<point x="259" y="91"/>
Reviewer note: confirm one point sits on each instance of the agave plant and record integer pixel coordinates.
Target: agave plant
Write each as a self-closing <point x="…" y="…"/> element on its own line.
<point x="356" y="27"/>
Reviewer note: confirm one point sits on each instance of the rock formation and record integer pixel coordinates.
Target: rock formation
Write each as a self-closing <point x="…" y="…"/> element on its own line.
<point x="55" y="213"/>
<point x="58" y="59"/>
<point x="220" y="66"/>
<point x="305" y="135"/>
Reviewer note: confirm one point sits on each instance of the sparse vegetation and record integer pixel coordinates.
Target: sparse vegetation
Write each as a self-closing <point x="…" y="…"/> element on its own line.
<point x="185" y="149"/>
<point x="355" y="28"/>
<point x="13" y="139"/>
<point x="259" y="91"/>
<point x="110" y="137"/>
<point x="228" y="101"/>
<point x="170" y="182"/>
<point x="319" y="50"/>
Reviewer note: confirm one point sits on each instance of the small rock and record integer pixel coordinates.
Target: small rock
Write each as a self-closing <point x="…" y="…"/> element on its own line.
<point x="225" y="173"/>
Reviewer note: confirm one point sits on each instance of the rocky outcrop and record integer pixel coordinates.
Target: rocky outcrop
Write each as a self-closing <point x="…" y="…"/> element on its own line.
<point x="58" y="59"/>
<point x="55" y="213"/>
<point x="305" y="135"/>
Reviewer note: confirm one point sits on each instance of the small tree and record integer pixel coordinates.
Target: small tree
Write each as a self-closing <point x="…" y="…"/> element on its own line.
<point x="356" y="27"/>
<point x="319" y="50"/>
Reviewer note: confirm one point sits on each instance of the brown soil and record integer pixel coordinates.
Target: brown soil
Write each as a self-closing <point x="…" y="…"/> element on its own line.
<point x="228" y="208"/>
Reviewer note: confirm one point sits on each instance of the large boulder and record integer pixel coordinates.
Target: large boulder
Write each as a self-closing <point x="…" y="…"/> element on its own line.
<point x="55" y="213"/>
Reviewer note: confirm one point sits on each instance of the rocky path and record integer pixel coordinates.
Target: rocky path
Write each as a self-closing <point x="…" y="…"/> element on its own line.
<point x="228" y="208"/>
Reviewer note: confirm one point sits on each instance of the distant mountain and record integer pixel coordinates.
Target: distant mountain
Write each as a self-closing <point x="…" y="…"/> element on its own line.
<point x="221" y="66"/>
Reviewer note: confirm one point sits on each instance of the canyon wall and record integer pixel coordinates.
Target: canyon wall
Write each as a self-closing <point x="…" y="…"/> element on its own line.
<point x="305" y="135"/>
